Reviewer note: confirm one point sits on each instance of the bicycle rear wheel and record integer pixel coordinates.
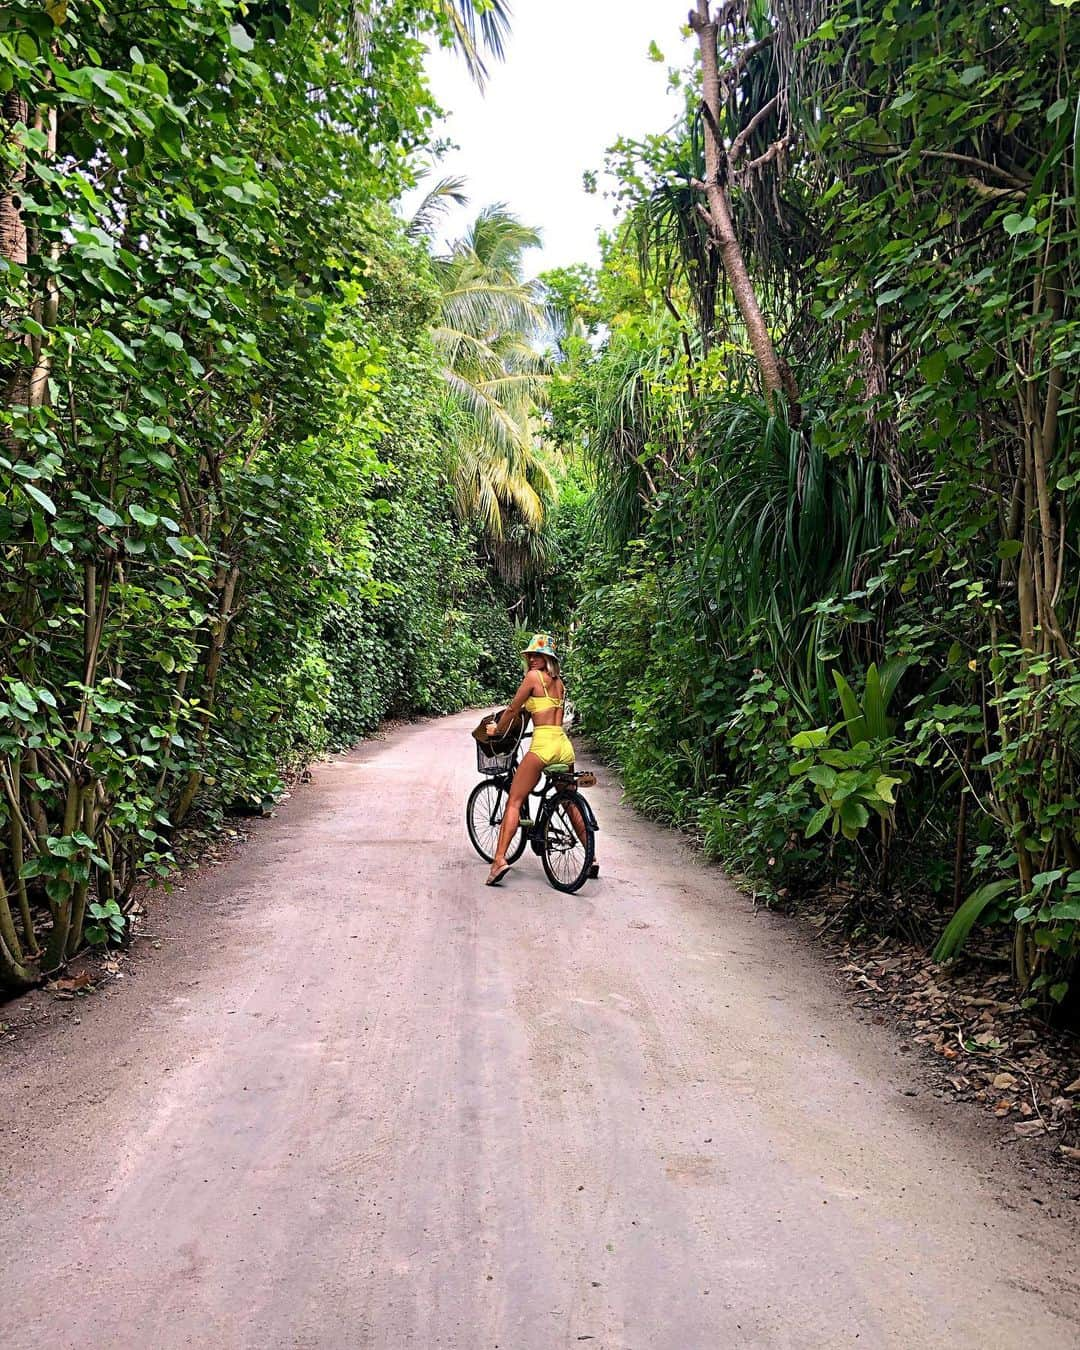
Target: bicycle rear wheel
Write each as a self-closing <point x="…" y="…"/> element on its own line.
<point x="569" y="842"/>
<point x="483" y="817"/>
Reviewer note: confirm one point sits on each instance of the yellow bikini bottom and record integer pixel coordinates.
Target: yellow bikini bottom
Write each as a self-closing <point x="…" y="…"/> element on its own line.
<point x="551" y="745"/>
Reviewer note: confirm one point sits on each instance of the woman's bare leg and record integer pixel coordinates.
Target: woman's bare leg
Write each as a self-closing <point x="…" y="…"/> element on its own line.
<point x="526" y="778"/>
<point x="575" y="820"/>
<point x="579" y="827"/>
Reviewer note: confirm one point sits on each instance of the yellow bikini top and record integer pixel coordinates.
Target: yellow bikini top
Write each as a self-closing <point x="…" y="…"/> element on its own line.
<point x="543" y="703"/>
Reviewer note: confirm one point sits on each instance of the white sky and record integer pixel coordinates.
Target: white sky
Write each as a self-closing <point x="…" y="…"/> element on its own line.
<point x="576" y="77"/>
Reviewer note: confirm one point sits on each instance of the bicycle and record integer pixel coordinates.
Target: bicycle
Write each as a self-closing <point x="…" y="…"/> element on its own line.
<point x="566" y="846"/>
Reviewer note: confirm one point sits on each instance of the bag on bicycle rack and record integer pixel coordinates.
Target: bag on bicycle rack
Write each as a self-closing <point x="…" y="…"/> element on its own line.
<point x="500" y="745"/>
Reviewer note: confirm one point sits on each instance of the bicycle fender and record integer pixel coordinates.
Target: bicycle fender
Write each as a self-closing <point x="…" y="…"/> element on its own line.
<point x="590" y="817"/>
<point x="587" y="811"/>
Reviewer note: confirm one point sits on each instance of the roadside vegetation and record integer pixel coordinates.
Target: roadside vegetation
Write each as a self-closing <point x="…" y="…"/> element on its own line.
<point x="829" y="618"/>
<point x="237" y="525"/>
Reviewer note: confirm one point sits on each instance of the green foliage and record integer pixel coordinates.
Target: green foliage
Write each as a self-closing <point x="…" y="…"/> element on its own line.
<point x="551" y="592"/>
<point x="968" y="915"/>
<point x="753" y="818"/>
<point x="915" y="245"/>
<point x="856" y="784"/>
<point x="109" y="924"/>
<point x="868" y="718"/>
<point x="225" y="519"/>
<point x="852" y="785"/>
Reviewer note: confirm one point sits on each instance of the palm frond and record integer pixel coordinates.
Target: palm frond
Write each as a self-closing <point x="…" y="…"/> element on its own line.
<point x="434" y="205"/>
<point x="472" y="29"/>
<point x="490" y="323"/>
<point x="485" y="308"/>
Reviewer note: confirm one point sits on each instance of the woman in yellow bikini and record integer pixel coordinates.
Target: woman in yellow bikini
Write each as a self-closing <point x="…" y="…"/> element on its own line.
<point x="542" y="695"/>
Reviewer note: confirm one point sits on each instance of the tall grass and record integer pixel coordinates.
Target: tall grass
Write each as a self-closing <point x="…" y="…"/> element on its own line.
<point x="759" y="527"/>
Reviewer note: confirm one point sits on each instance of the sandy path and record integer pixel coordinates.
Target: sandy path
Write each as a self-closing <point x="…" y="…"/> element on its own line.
<point x="359" y="1100"/>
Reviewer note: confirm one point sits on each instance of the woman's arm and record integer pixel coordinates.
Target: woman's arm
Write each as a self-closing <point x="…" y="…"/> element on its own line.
<point x="526" y="691"/>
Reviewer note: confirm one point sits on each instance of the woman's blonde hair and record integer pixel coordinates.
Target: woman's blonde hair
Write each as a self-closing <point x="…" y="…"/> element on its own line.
<point x="550" y="664"/>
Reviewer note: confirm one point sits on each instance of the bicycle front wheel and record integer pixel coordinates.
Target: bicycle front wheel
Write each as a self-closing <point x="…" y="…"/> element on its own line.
<point x="483" y="817"/>
<point x="569" y="842"/>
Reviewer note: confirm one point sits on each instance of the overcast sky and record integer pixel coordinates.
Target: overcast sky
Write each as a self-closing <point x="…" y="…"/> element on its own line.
<point x="577" y="75"/>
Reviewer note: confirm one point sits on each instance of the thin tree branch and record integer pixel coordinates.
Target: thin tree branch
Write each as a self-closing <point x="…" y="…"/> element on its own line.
<point x="774" y="152"/>
<point x="738" y="145"/>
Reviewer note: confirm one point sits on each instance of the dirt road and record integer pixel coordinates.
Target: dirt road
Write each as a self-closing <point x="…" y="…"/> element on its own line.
<point x="358" y="1100"/>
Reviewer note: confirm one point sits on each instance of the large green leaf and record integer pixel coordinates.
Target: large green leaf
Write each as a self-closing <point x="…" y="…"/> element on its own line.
<point x="854" y="720"/>
<point x="967" y="916"/>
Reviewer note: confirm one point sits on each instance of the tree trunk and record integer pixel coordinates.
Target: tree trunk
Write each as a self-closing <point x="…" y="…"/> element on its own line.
<point x="208" y="692"/>
<point x="12" y="224"/>
<point x="18" y="856"/>
<point x="82" y="888"/>
<point x="721" y="224"/>
<point x="46" y="306"/>
<point x="960" y="852"/>
<point x="14" y="973"/>
<point x="8" y="935"/>
<point x="57" y="941"/>
<point x="14" y="378"/>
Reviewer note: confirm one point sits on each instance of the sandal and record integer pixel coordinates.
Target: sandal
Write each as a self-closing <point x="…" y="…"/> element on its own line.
<point x="495" y="877"/>
<point x="594" y="871"/>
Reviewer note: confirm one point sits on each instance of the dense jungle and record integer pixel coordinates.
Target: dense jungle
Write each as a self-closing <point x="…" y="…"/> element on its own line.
<point x="792" y="474"/>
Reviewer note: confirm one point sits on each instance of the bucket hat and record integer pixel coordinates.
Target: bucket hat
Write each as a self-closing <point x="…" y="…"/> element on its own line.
<point x="543" y="644"/>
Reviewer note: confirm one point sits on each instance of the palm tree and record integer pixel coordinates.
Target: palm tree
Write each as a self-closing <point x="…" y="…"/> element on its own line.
<point x="489" y="322"/>
<point x="471" y="30"/>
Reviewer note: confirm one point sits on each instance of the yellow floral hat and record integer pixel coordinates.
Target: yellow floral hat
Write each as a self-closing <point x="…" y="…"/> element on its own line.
<point x="542" y="643"/>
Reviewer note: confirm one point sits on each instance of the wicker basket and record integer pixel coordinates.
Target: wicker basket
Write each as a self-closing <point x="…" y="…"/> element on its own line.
<point x="489" y="763"/>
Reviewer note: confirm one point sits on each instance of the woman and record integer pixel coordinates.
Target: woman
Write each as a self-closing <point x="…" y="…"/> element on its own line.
<point x="542" y="695"/>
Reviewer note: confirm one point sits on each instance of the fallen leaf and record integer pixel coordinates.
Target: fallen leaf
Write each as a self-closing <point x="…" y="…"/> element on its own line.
<point x="70" y="984"/>
<point x="1028" y="1128"/>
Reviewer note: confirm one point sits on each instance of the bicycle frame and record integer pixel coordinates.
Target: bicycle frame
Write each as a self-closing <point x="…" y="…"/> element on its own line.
<point x="548" y="791"/>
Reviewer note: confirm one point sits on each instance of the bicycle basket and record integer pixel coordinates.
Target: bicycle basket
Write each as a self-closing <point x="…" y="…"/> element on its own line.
<point x="488" y="763"/>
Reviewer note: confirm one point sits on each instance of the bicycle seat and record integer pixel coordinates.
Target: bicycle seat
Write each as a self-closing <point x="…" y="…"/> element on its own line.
<point x="556" y="769"/>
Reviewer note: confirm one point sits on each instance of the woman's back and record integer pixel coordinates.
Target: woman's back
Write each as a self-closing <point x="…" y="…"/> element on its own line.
<point x="546" y="707"/>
